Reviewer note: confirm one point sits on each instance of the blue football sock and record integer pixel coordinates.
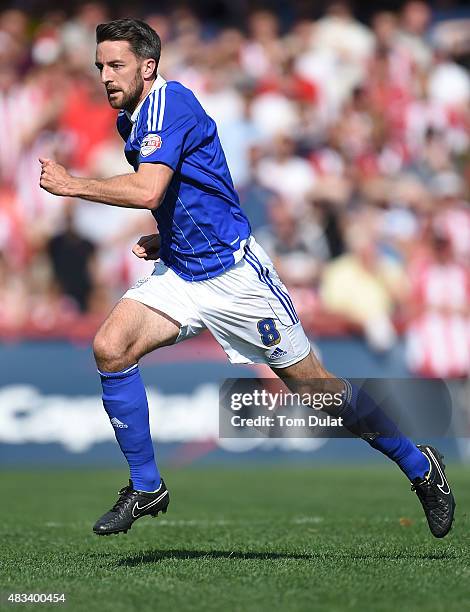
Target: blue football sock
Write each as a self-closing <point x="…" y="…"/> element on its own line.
<point x="363" y="417"/>
<point x="125" y="401"/>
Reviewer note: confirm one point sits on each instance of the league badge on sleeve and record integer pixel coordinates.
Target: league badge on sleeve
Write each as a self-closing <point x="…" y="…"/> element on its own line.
<point x="150" y="144"/>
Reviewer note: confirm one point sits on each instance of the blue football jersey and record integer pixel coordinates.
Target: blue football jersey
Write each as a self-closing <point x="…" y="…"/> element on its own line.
<point x="202" y="226"/>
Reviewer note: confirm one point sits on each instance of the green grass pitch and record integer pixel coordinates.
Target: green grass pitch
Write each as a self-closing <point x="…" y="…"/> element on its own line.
<point x="252" y="539"/>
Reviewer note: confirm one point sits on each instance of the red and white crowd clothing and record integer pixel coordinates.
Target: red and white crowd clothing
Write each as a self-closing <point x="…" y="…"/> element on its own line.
<point x="438" y="339"/>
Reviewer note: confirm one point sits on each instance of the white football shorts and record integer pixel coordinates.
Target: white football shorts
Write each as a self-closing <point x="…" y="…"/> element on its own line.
<point x="247" y="309"/>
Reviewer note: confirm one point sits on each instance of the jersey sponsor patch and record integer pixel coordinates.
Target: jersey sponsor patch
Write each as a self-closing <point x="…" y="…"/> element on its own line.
<point x="150" y="143"/>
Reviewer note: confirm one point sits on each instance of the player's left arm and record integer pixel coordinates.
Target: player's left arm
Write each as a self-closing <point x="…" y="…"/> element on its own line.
<point x="145" y="188"/>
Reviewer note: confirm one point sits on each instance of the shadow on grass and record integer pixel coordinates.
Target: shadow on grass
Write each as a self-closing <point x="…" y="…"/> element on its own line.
<point x="155" y="556"/>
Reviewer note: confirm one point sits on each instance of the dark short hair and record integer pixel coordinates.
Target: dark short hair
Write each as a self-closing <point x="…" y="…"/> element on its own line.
<point x="143" y="40"/>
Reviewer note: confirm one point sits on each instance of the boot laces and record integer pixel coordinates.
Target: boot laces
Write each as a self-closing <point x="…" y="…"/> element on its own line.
<point x="428" y="493"/>
<point x="124" y="494"/>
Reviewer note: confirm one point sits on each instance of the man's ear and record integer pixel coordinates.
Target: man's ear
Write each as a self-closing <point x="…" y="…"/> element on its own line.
<point x="149" y="68"/>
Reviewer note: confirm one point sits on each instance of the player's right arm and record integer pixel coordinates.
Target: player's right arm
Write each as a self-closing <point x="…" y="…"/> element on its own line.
<point x="145" y="188"/>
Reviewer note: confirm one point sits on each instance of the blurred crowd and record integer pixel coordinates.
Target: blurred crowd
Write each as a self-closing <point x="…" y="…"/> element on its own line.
<point x="349" y="144"/>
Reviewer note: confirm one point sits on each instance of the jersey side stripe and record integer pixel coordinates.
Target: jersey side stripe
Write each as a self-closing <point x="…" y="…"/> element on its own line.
<point x="156" y="108"/>
<point x="161" y="111"/>
<point x="149" y="113"/>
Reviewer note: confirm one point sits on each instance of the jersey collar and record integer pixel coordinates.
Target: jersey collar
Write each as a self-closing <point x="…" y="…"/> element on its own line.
<point x="159" y="82"/>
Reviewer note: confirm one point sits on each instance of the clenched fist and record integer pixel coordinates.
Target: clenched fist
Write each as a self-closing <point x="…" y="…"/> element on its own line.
<point x="148" y="247"/>
<point x="54" y="178"/>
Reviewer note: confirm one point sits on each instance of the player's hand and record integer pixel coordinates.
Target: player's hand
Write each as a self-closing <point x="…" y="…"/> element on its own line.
<point x="54" y="178"/>
<point x="148" y="247"/>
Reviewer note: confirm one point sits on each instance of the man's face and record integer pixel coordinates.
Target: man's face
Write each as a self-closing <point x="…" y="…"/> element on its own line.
<point x="120" y="72"/>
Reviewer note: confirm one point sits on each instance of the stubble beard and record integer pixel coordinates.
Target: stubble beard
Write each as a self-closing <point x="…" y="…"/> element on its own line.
<point x="131" y="98"/>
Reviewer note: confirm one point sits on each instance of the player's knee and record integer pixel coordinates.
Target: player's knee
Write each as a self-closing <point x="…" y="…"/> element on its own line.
<point x="101" y="348"/>
<point x="111" y="352"/>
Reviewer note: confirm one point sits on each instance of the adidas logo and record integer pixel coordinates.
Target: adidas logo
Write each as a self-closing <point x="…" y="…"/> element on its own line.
<point x="117" y="423"/>
<point x="277" y="353"/>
